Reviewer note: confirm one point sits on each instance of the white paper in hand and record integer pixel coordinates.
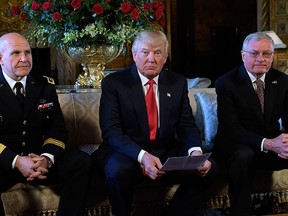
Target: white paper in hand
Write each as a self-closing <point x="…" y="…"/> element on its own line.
<point x="185" y="163"/>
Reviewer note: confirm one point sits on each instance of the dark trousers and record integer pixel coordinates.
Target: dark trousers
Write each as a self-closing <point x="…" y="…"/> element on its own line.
<point x="123" y="173"/>
<point x="241" y="163"/>
<point x="72" y="176"/>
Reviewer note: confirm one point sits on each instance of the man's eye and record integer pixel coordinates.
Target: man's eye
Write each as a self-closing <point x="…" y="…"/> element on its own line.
<point x="254" y="54"/>
<point x="158" y="53"/>
<point x="15" y="53"/>
<point x="267" y="54"/>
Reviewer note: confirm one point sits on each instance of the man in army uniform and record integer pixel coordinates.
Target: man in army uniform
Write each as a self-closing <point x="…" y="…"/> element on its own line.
<point x="33" y="133"/>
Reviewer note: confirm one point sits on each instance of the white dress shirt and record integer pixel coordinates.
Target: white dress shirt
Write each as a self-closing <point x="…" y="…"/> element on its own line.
<point x="144" y="81"/>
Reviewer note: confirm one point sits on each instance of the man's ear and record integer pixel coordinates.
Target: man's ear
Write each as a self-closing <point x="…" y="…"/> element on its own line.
<point x="134" y="56"/>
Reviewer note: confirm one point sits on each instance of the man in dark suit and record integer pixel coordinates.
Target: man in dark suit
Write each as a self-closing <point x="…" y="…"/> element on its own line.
<point x="129" y="147"/>
<point x="249" y="135"/>
<point x="33" y="133"/>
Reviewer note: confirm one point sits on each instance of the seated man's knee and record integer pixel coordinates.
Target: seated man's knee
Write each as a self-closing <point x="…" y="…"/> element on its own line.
<point x="120" y="168"/>
<point x="244" y="153"/>
<point x="242" y="157"/>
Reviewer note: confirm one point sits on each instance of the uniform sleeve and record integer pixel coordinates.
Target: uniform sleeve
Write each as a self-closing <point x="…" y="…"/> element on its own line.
<point x="55" y="133"/>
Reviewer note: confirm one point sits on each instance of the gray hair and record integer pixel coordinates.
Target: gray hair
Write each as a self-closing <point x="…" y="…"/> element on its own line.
<point x="150" y="37"/>
<point x="257" y="36"/>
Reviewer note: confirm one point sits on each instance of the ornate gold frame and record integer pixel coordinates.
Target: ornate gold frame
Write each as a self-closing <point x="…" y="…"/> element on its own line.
<point x="263" y="15"/>
<point x="272" y="15"/>
<point x="9" y="23"/>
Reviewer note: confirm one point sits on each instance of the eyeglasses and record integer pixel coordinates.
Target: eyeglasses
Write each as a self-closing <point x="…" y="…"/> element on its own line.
<point x="255" y="54"/>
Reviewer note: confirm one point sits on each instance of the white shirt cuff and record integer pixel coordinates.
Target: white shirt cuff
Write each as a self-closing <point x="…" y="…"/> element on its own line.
<point x="194" y="149"/>
<point x="14" y="161"/>
<point x="49" y="156"/>
<point x="262" y="146"/>
<point x="140" y="156"/>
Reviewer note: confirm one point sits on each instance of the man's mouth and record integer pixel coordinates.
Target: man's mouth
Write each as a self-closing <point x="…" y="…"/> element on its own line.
<point x="150" y="67"/>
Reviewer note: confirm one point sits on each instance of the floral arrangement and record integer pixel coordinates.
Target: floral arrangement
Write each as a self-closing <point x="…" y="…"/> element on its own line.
<point x="86" y="22"/>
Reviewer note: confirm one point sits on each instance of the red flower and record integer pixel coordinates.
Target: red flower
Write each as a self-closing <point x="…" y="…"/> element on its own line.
<point x="47" y="5"/>
<point x="148" y="6"/>
<point x="161" y="21"/>
<point x="15" y="10"/>
<point x="98" y="9"/>
<point x="35" y="6"/>
<point x="158" y="14"/>
<point x="23" y="16"/>
<point x="134" y="14"/>
<point x="75" y="17"/>
<point x="159" y="6"/>
<point x="125" y="7"/>
<point x="57" y="16"/>
<point x="76" y="4"/>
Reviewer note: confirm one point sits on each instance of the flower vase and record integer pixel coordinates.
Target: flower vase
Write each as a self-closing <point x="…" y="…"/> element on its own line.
<point x="93" y="60"/>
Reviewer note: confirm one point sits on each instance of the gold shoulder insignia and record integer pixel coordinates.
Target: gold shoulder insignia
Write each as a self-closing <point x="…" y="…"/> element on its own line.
<point x="50" y="80"/>
<point x="2" y="147"/>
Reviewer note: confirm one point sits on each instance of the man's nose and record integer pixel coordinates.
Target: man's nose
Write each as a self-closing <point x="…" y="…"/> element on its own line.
<point x="151" y="57"/>
<point x="260" y="57"/>
<point x="23" y="58"/>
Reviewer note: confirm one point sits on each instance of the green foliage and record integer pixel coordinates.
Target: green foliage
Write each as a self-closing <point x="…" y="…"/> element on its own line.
<point x="87" y="22"/>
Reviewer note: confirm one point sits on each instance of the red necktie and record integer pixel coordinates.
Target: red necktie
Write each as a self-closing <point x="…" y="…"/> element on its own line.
<point x="151" y="110"/>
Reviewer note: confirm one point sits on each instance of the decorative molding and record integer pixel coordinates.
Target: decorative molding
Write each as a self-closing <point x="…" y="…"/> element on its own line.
<point x="279" y="24"/>
<point x="263" y="15"/>
<point x="9" y="23"/>
<point x="272" y="15"/>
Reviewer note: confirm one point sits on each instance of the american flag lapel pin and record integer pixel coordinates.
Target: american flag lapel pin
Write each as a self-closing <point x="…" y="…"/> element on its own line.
<point x="168" y="94"/>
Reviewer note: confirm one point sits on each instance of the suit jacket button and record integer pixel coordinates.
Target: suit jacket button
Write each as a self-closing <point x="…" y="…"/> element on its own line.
<point x="24" y="122"/>
<point x="22" y="153"/>
<point x="23" y="133"/>
<point x="23" y="144"/>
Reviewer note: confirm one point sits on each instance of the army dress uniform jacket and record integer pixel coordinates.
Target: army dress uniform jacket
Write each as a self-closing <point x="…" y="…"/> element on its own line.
<point x="38" y="127"/>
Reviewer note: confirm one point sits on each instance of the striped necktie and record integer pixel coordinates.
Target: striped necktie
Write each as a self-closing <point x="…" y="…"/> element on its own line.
<point x="260" y="92"/>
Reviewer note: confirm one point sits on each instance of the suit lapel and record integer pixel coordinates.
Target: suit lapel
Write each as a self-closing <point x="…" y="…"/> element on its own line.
<point x="136" y="95"/>
<point x="270" y="94"/>
<point x="165" y="97"/>
<point x="246" y="87"/>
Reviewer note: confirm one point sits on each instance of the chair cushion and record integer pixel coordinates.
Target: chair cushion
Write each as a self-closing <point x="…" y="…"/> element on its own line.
<point x="207" y="102"/>
<point x="26" y="198"/>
